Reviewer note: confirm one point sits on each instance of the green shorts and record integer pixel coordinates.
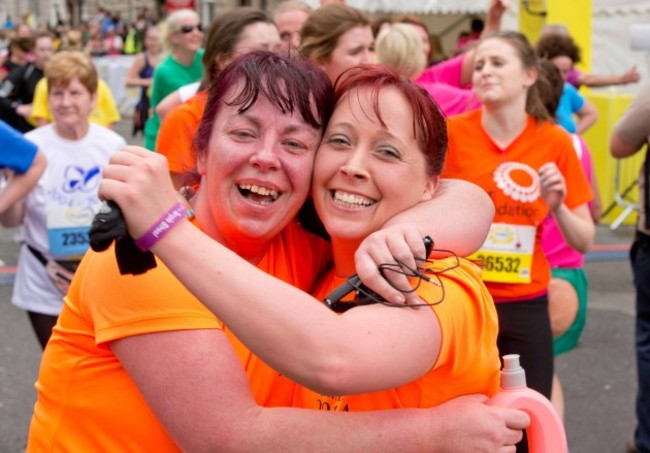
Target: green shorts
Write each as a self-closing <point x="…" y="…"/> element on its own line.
<point x="578" y="279"/>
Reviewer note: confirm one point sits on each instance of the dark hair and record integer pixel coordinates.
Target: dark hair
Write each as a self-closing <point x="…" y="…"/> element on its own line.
<point x="555" y="45"/>
<point x="24" y="43"/>
<point x="429" y="124"/>
<point x="529" y="60"/>
<point x="291" y="83"/>
<point x="224" y="34"/>
<point x="549" y="86"/>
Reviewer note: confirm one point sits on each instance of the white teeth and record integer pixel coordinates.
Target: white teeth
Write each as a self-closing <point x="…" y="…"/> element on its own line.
<point x="264" y="191"/>
<point x="350" y="199"/>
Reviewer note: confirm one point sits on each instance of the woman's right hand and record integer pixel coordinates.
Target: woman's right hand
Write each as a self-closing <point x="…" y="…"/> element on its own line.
<point x="138" y="181"/>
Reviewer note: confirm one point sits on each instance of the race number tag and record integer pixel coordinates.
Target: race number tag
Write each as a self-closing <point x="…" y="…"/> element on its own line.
<point x="67" y="231"/>
<point x="507" y="254"/>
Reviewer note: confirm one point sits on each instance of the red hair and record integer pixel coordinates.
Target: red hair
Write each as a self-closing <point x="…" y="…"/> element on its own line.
<point x="429" y="124"/>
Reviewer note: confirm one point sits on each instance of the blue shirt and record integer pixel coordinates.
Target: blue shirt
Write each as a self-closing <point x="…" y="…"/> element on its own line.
<point x="16" y="153"/>
<point x="570" y="103"/>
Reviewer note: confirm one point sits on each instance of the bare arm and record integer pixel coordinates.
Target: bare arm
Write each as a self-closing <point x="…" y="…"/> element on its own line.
<point x="587" y="116"/>
<point x="170" y="102"/>
<point x="211" y="408"/>
<point x="329" y="353"/>
<point x="20" y="185"/>
<point x="575" y="224"/>
<point x="620" y="149"/>
<point x="600" y="80"/>
<point x="133" y="78"/>
<point x="492" y="24"/>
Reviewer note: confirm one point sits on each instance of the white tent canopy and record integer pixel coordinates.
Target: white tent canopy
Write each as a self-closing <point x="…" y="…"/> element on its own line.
<point x="421" y="6"/>
<point x="416" y="6"/>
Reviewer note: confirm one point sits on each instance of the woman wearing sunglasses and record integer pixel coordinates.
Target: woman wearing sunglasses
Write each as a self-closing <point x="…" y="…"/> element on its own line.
<point x="226" y="193"/>
<point x="182" y="39"/>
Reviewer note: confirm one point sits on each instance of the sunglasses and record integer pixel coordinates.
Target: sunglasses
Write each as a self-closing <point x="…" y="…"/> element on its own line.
<point x="364" y="296"/>
<point x="185" y="29"/>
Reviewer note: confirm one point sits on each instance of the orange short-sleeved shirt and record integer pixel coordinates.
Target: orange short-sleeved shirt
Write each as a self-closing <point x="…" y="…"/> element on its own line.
<point x="468" y="361"/>
<point x="510" y="177"/>
<point x="177" y="132"/>
<point x="87" y="401"/>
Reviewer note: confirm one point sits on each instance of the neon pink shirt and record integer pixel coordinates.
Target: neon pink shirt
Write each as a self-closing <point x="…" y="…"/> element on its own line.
<point x="448" y="72"/>
<point x="452" y="100"/>
<point x="557" y="251"/>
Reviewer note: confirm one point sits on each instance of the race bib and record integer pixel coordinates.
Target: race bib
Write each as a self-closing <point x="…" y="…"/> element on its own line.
<point x="507" y="254"/>
<point x="67" y="231"/>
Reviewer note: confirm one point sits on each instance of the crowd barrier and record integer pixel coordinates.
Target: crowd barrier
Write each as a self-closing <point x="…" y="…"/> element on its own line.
<point x="617" y="179"/>
<point x="113" y="70"/>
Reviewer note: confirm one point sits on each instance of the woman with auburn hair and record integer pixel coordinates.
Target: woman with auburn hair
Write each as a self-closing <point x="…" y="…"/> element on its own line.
<point x="231" y="34"/>
<point x="528" y="166"/>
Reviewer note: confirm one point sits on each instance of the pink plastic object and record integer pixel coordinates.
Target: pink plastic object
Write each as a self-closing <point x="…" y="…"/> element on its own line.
<point x="546" y="431"/>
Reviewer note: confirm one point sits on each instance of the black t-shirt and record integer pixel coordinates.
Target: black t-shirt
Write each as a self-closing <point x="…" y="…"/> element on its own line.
<point x="18" y="89"/>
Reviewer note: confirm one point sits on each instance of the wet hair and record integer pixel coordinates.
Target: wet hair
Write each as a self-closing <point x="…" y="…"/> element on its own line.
<point x="172" y="24"/>
<point x="321" y="31"/>
<point x="289" y="82"/>
<point x="429" y="124"/>
<point x="225" y="33"/>
<point x="400" y="48"/>
<point x="64" y="66"/>
<point x="556" y="45"/>
<point x="550" y="85"/>
<point x="529" y="60"/>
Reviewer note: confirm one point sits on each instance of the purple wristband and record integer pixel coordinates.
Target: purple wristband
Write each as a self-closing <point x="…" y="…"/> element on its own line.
<point x="161" y="227"/>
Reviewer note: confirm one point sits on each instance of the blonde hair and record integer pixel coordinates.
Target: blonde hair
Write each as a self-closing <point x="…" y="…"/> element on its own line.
<point x="64" y="66"/>
<point x="400" y="47"/>
<point x="171" y="26"/>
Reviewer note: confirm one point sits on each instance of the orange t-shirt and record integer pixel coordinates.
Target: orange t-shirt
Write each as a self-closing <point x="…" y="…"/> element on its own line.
<point x="177" y="132"/>
<point x="468" y="361"/>
<point x="87" y="401"/>
<point x="510" y="177"/>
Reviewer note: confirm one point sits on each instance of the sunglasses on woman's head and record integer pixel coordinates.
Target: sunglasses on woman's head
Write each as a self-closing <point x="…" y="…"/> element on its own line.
<point x="185" y="29"/>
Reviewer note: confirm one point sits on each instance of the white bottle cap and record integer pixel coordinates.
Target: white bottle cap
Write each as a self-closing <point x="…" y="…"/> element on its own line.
<point x="513" y="375"/>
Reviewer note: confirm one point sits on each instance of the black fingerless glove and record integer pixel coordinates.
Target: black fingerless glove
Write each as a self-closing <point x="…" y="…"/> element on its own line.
<point x="108" y="226"/>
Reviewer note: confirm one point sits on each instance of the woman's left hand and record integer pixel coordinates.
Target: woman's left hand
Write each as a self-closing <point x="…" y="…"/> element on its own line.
<point x="400" y="241"/>
<point x="553" y="185"/>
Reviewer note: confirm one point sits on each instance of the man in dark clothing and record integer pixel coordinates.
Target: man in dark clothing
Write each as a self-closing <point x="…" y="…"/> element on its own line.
<point x="17" y="90"/>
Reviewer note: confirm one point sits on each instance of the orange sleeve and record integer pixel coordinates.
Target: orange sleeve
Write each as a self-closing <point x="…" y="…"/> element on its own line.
<point x="177" y="133"/>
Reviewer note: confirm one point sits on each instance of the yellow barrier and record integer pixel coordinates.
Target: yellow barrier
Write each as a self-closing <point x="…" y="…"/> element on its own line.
<point x="611" y="107"/>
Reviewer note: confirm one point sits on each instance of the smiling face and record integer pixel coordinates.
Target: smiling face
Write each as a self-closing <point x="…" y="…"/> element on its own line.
<point x="366" y="173"/>
<point x="499" y="76"/>
<point x="354" y="47"/>
<point x="256" y="172"/>
<point x="187" y="35"/>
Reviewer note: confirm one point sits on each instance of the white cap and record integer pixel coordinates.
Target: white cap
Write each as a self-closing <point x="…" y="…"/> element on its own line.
<point x="513" y="375"/>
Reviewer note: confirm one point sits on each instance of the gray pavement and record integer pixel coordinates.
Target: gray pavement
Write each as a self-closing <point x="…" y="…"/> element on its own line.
<point x="598" y="376"/>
